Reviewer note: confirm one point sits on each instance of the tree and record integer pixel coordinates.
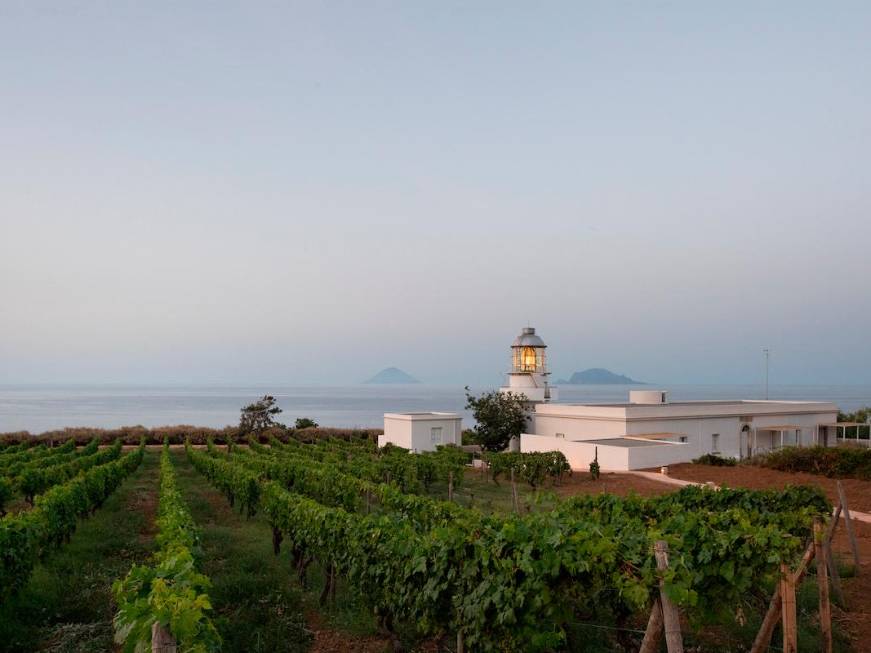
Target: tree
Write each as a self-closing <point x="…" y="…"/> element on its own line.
<point x="258" y="417"/>
<point x="305" y="423"/>
<point x="500" y="416"/>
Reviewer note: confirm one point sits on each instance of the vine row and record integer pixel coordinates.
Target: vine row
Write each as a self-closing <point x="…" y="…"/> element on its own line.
<point x="169" y="592"/>
<point x="26" y="536"/>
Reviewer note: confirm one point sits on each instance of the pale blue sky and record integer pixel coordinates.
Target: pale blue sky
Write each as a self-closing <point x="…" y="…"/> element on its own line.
<point x="255" y="192"/>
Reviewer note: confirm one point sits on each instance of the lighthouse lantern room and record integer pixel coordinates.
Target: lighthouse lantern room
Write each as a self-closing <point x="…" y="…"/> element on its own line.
<point x="529" y="373"/>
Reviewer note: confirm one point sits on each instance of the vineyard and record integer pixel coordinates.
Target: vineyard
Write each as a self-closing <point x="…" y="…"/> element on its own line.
<point x="380" y="534"/>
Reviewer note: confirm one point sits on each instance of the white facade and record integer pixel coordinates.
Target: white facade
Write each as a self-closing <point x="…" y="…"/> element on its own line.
<point x="421" y="431"/>
<point x="649" y="431"/>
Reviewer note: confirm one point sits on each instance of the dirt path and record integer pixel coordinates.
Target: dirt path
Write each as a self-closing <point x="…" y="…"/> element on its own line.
<point x="856" y="620"/>
<point x="67" y="606"/>
<point x="611" y="483"/>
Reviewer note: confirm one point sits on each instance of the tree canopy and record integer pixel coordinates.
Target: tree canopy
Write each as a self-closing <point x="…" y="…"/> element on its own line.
<point x="500" y="416"/>
<point x="259" y="416"/>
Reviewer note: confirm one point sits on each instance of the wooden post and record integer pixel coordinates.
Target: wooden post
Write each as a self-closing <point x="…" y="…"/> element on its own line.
<point x="787" y="592"/>
<point x="849" y="523"/>
<point x="766" y="630"/>
<point x="653" y="634"/>
<point x="830" y="531"/>
<point x="775" y="607"/>
<point x="514" y="492"/>
<point x="823" y="583"/>
<point x="461" y="645"/>
<point x="833" y="572"/>
<point x="162" y="640"/>
<point x="450" y="486"/>
<point x="670" y="617"/>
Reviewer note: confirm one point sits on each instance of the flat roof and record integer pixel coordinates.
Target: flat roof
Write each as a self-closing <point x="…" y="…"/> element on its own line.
<point x="689" y="409"/>
<point x="423" y="415"/>
<point x="691" y="402"/>
<point x="656" y="436"/>
<point x="625" y="442"/>
<point x="847" y="424"/>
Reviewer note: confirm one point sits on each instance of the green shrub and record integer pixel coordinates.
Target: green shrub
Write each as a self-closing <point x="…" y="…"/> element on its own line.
<point x="834" y="462"/>
<point x="715" y="461"/>
<point x="530" y="467"/>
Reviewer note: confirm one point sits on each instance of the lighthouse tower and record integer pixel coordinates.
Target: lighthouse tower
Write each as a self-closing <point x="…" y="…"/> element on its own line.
<point x="529" y="373"/>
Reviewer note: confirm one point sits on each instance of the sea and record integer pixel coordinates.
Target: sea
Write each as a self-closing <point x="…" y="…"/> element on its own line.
<point x="43" y="408"/>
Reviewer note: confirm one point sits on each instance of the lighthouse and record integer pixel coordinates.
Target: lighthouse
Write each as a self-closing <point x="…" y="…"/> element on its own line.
<point x="528" y="375"/>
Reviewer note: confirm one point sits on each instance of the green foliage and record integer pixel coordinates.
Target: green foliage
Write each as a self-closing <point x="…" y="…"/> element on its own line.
<point x="715" y="460"/>
<point x="512" y="583"/>
<point x="26" y="536"/>
<point x="305" y="423"/>
<point x="530" y="467"/>
<point x="595" y="470"/>
<point x="17" y="463"/>
<point x="259" y="416"/>
<point x="834" y="462"/>
<point x="6" y="492"/>
<point x="860" y="415"/>
<point x="8" y="448"/>
<point x="169" y="592"/>
<point x="37" y="479"/>
<point x="499" y="416"/>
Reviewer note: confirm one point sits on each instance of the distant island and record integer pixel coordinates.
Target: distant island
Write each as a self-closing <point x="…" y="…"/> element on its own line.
<point x="599" y="376"/>
<point x="392" y="375"/>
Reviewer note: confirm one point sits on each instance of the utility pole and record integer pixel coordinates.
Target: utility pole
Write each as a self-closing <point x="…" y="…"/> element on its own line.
<point x="766" y="353"/>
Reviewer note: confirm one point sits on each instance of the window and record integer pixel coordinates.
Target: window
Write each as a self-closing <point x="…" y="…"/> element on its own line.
<point x="682" y="438"/>
<point x="435" y="434"/>
<point x="715" y="443"/>
<point x="561" y="435"/>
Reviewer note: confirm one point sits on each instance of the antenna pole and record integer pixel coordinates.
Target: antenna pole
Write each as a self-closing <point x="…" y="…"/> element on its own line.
<point x="766" y="353"/>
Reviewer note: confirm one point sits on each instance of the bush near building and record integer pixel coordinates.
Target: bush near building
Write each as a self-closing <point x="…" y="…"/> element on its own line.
<point x="834" y="462"/>
<point x="715" y="461"/>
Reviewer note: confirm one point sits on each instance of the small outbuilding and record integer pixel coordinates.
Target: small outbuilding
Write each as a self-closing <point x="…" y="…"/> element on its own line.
<point x="423" y="431"/>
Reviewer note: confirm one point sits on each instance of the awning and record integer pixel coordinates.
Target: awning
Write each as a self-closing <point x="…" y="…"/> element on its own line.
<point x="655" y="436"/>
<point x="844" y="424"/>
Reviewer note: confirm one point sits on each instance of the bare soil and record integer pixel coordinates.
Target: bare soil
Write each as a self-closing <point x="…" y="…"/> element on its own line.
<point x="328" y="640"/>
<point x="611" y="483"/>
<point x="856" y="620"/>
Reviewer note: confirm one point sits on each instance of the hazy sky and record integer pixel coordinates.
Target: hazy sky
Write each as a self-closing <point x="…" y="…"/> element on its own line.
<point x="248" y="192"/>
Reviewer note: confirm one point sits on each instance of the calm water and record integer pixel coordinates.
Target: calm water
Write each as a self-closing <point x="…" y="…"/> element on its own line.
<point x="41" y="408"/>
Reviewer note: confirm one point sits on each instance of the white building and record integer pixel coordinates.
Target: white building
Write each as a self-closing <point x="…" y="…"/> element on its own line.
<point x="649" y="431"/>
<point x="646" y="431"/>
<point x="421" y="431"/>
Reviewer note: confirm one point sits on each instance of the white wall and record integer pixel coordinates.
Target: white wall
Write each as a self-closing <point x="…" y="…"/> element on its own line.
<point x="659" y="455"/>
<point x="422" y="433"/>
<point x="578" y="454"/>
<point x="697" y="430"/>
<point x="698" y="433"/>
<point x="415" y="432"/>
<point x="611" y="458"/>
<point x="577" y="428"/>
<point x="396" y="431"/>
